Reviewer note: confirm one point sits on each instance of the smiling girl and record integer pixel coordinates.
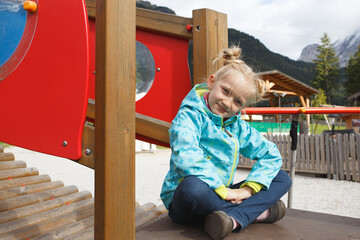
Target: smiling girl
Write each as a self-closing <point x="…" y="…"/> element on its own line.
<point x="206" y="137"/>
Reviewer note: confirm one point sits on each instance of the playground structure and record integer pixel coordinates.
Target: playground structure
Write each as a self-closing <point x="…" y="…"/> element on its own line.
<point x="115" y="123"/>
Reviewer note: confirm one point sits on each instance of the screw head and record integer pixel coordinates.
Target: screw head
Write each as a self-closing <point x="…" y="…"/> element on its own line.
<point x="158" y="69"/>
<point x="87" y="152"/>
<point x="65" y="143"/>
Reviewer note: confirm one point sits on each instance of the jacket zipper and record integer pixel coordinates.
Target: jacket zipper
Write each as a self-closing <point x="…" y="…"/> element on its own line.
<point x="235" y="155"/>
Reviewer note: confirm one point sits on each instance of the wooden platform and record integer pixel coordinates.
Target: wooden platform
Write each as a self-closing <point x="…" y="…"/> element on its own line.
<point x="34" y="207"/>
<point x="296" y="224"/>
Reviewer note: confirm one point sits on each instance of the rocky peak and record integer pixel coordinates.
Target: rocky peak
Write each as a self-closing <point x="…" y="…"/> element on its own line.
<point x="309" y="53"/>
<point x="343" y="48"/>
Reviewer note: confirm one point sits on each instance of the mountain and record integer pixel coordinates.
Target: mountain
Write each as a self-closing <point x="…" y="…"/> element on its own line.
<point x="343" y="48"/>
<point x="260" y="58"/>
<point x="308" y="54"/>
<point x="348" y="46"/>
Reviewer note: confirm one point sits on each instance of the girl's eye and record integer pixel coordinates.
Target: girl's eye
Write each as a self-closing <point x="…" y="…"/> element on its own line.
<point x="238" y="102"/>
<point x="225" y="91"/>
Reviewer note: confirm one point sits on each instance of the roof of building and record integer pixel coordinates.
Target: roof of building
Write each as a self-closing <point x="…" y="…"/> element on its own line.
<point x="355" y="95"/>
<point x="285" y="83"/>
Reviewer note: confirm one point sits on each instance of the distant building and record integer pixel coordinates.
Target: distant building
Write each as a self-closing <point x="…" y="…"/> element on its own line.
<point x="354" y="100"/>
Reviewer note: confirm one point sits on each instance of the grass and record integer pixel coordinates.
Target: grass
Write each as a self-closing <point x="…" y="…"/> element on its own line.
<point x="321" y="128"/>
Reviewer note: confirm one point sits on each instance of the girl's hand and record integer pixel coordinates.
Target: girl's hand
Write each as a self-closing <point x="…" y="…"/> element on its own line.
<point x="236" y="196"/>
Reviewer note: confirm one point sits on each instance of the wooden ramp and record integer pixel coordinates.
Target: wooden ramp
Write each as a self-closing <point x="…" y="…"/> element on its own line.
<point x="34" y="207"/>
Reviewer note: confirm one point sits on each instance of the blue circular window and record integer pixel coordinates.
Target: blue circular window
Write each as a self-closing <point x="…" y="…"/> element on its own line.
<point x="17" y="28"/>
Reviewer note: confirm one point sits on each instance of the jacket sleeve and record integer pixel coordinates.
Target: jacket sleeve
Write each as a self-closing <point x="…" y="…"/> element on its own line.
<point x="268" y="159"/>
<point x="187" y="157"/>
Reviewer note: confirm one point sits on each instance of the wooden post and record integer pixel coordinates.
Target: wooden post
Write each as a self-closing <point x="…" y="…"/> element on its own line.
<point x="210" y="35"/>
<point x="307" y="100"/>
<point x="115" y="120"/>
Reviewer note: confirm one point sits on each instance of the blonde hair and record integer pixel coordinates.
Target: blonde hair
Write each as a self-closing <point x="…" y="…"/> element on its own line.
<point x="229" y="58"/>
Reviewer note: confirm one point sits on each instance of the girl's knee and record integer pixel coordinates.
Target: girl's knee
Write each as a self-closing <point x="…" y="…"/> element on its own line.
<point x="192" y="187"/>
<point x="284" y="178"/>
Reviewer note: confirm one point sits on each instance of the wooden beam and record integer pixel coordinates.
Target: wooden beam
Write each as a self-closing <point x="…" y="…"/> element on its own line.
<point x="91" y="8"/>
<point x="90" y="112"/>
<point x="88" y="147"/>
<point x="281" y="92"/>
<point x="163" y="23"/>
<point x="302" y="101"/>
<point x="152" y="128"/>
<point x="272" y="99"/>
<point x="210" y="35"/>
<point x="168" y="24"/>
<point x="273" y="103"/>
<point x="115" y="120"/>
<point x="307" y="102"/>
<point x="285" y="85"/>
<point x="145" y="126"/>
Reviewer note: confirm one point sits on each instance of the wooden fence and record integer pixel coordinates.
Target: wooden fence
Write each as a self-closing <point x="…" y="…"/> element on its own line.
<point x="336" y="157"/>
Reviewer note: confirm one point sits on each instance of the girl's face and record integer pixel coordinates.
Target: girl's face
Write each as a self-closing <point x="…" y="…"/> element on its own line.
<point x="228" y="95"/>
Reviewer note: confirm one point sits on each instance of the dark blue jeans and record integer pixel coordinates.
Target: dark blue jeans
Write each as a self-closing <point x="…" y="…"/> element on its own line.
<point x="193" y="200"/>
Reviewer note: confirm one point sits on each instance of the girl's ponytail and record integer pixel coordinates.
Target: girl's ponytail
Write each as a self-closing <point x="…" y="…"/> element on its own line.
<point x="230" y="59"/>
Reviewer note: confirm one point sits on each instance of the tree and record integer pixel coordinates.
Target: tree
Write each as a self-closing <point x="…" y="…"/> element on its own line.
<point x="320" y="99"/>
<point x="327" y="68"/>
<point x="352" y="71"/>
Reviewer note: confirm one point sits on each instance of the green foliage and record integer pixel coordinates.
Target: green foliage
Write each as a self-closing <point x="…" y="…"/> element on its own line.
<point x="320" y="128"/>
<point x="352" y="71"/>
<point x="320" y="99"/>
<point x="327" y="69"/>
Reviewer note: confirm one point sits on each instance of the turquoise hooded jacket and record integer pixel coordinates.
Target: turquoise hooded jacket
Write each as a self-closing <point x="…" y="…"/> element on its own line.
<point x="206" y="146"/>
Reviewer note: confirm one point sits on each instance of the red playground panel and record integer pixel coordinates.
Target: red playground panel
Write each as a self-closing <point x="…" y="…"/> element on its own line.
<point x="44" y="100"/>
<point x="172" y="78"/>
<point x="45" y="96"/>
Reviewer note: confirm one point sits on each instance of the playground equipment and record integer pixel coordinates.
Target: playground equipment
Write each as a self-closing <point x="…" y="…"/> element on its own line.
<point x="44" y="120"/>
<point x="41" y="113"/>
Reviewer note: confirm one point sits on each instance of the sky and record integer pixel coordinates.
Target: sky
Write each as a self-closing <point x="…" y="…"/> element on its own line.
<point x="283" y="26"/>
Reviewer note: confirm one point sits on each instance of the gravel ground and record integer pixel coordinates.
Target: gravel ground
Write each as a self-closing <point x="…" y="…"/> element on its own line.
<point x="311" y="194"/>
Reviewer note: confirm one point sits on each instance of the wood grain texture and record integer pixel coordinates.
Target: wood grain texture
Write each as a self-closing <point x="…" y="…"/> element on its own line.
<point x="209" y="37"/>
<point x="115" y="119"/>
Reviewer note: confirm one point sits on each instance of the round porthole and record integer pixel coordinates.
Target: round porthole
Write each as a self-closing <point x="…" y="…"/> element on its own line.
<point x="145" y="70"/>
<point x="17" y="29"/>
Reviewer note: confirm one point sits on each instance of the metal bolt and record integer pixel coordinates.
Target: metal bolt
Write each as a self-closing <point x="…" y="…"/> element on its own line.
<point x="65" y="143"/>
<point x="87" y="152"/>
<point x="158" y="69"/>
<point x="94" y="72"/>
